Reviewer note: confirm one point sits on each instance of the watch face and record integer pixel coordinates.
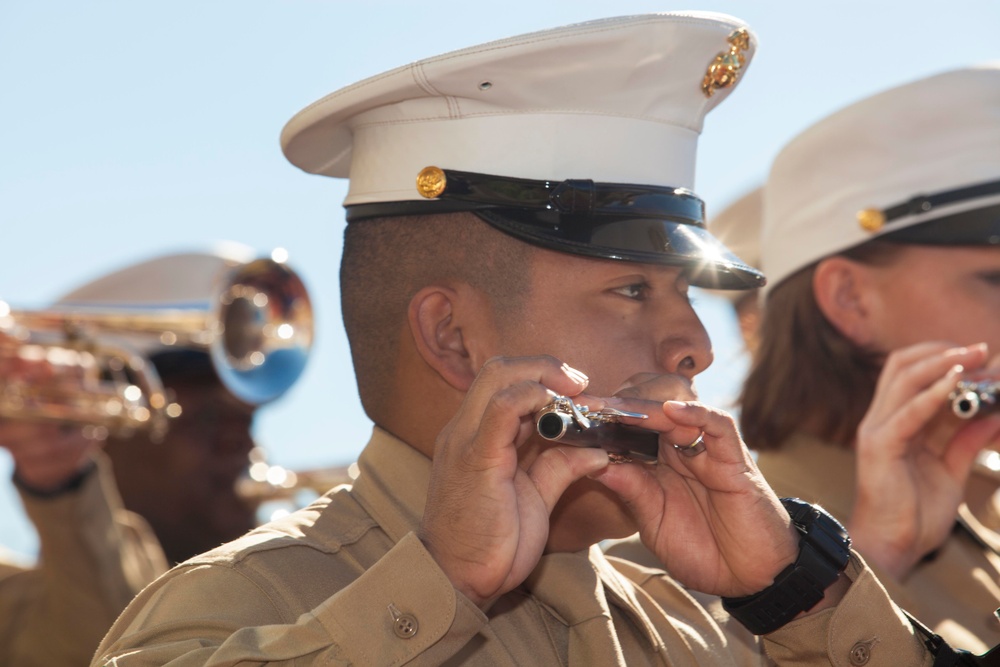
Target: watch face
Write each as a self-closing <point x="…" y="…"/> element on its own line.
<point x="821" y="529"/>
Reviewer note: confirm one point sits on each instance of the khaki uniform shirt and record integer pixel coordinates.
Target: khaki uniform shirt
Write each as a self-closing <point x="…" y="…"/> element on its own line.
<point x="346" y="582"/>
<point x="93" y="558"/>
<point x="955" y="592"/>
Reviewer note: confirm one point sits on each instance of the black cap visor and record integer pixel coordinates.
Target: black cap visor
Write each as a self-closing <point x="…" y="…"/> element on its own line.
<point x="707" y="262"/>
<point x="632" y="223"/>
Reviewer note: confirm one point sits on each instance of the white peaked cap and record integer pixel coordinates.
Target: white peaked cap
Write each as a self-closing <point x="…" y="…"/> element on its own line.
<point x="183" y="278"/>
<point x="914" y="163"/>
<point x="180" y="280"/>
<point x="616" y="100"/>
<point x="580" y="139"/>
<point x="174" y="280"/>
<point x="198" y="283"/>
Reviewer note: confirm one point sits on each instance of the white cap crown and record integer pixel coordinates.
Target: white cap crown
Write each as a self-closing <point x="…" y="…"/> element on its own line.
<point x="617" y="100"/>
<point x="876" y="168"/>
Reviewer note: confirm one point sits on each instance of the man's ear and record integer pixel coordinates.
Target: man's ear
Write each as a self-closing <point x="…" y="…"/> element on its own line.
<point x="840" y="286"/>
<point x="435" y="320"/>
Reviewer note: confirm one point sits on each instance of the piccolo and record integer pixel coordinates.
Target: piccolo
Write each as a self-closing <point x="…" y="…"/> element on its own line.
<point x="971" y="399"/>
<point x="564" y="421"/>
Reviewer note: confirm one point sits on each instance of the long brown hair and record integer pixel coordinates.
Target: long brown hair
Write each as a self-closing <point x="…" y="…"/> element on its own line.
<point x="807" y="376"/>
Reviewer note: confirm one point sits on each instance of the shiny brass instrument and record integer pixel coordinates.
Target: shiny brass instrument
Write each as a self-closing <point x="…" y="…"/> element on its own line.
<point x="85" y="364"/>
<point x="266" y="482"/>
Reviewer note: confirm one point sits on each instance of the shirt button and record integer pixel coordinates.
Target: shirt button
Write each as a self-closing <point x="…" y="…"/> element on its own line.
<point x="861" y="653"/>
<point x="405" y="626"/>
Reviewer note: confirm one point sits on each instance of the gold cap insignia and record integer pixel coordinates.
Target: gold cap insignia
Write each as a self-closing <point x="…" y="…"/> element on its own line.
<point x="724" y="71"/>
<point x="431" y="182"/>
<point x="871" y="219"/>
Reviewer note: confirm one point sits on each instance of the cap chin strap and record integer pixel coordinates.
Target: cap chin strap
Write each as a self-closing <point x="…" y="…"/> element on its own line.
<point x="546" y="200"/>
<point x="924" y="204"/>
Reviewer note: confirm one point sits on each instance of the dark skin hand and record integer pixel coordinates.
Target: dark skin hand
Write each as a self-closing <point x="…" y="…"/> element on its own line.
<point x="46" y="454"/>
<point x="693" y="512"/>
<point x="487" y="516"/>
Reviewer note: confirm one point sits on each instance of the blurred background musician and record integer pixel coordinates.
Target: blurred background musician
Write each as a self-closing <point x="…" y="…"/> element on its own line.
<point x="116" y="506"/>
<point x="738" y="225"/>
<point x="881" y="226"/>
<point x="93" y="558"/>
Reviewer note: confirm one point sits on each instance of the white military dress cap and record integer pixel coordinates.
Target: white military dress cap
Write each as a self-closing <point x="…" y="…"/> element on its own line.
<point x="581" y="138"/>
<point x="181" y="278"/>
<point x="235" y="304"/>
<point x="919" y="163"/>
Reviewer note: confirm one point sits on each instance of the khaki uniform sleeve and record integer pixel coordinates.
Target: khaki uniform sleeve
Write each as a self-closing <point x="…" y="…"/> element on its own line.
<point x="93" y="558"/>
<point x="866" y="628"/>
<point x="403" y="609"/>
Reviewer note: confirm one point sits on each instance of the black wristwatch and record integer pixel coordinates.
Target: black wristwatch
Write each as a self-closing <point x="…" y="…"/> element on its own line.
<point x="824" y="551"/>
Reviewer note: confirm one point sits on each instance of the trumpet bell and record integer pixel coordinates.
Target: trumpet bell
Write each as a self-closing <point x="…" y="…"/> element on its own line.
<point x="90" y="361"/>
<point x="262" y="326"/>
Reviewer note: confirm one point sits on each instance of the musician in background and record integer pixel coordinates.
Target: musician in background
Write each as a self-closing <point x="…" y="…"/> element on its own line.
<point x="112" y="515"/>
<point x="94" y="556"/>
<point x="739" y="227"/>
<point x="880" y="233"/>
<point x="185" y="486"/>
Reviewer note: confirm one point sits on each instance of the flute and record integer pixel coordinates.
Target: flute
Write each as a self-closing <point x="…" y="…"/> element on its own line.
<point x="970" y="399"/>
<point x="564" y="421"/>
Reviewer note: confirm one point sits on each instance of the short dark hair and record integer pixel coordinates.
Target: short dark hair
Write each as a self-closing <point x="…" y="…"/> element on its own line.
<point x="388" y="260"/>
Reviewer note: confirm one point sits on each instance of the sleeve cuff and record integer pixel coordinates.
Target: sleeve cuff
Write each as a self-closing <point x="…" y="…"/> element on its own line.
<point x="69" y="486"/>
<point x="865" y="628"/>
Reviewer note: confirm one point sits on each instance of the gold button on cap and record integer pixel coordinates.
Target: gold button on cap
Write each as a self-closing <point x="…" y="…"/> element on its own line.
<point x="405" y="626"/>
<point x="431" y="182"/>
<point x="871" y="219"/>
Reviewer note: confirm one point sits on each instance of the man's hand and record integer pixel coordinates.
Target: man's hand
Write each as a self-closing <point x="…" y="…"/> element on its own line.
<point x="487" y="519"/>
<point x="46" y="455"/>
<point x="710" y="518"/>
<point x="913" y="459"/>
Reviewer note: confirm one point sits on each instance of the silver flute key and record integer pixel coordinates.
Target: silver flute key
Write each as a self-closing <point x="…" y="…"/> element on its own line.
<point x="564" y="421"/>
<point x="971" y="399"/>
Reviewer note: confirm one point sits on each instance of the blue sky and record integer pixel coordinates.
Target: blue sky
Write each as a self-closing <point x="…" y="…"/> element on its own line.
<point x="128" y="129"/>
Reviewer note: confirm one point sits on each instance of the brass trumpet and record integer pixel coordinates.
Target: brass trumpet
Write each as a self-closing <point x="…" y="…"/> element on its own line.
<point x="89" y="368"/>
<point x="265" y="482"/>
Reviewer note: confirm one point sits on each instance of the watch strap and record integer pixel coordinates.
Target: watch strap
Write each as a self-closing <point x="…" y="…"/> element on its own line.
<point x="824" y="551"/>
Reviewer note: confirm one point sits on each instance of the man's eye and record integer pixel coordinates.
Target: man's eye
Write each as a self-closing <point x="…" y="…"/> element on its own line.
<point x="636" y="291"/>
<point x="990" y="277"/>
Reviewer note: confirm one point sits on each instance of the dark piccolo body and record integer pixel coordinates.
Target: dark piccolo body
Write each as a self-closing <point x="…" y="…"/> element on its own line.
<point x="564" y="421"/>
<point x="972" y="399"/>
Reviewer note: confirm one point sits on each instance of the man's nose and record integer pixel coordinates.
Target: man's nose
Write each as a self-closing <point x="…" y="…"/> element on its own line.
<point x="685" y="348"/>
